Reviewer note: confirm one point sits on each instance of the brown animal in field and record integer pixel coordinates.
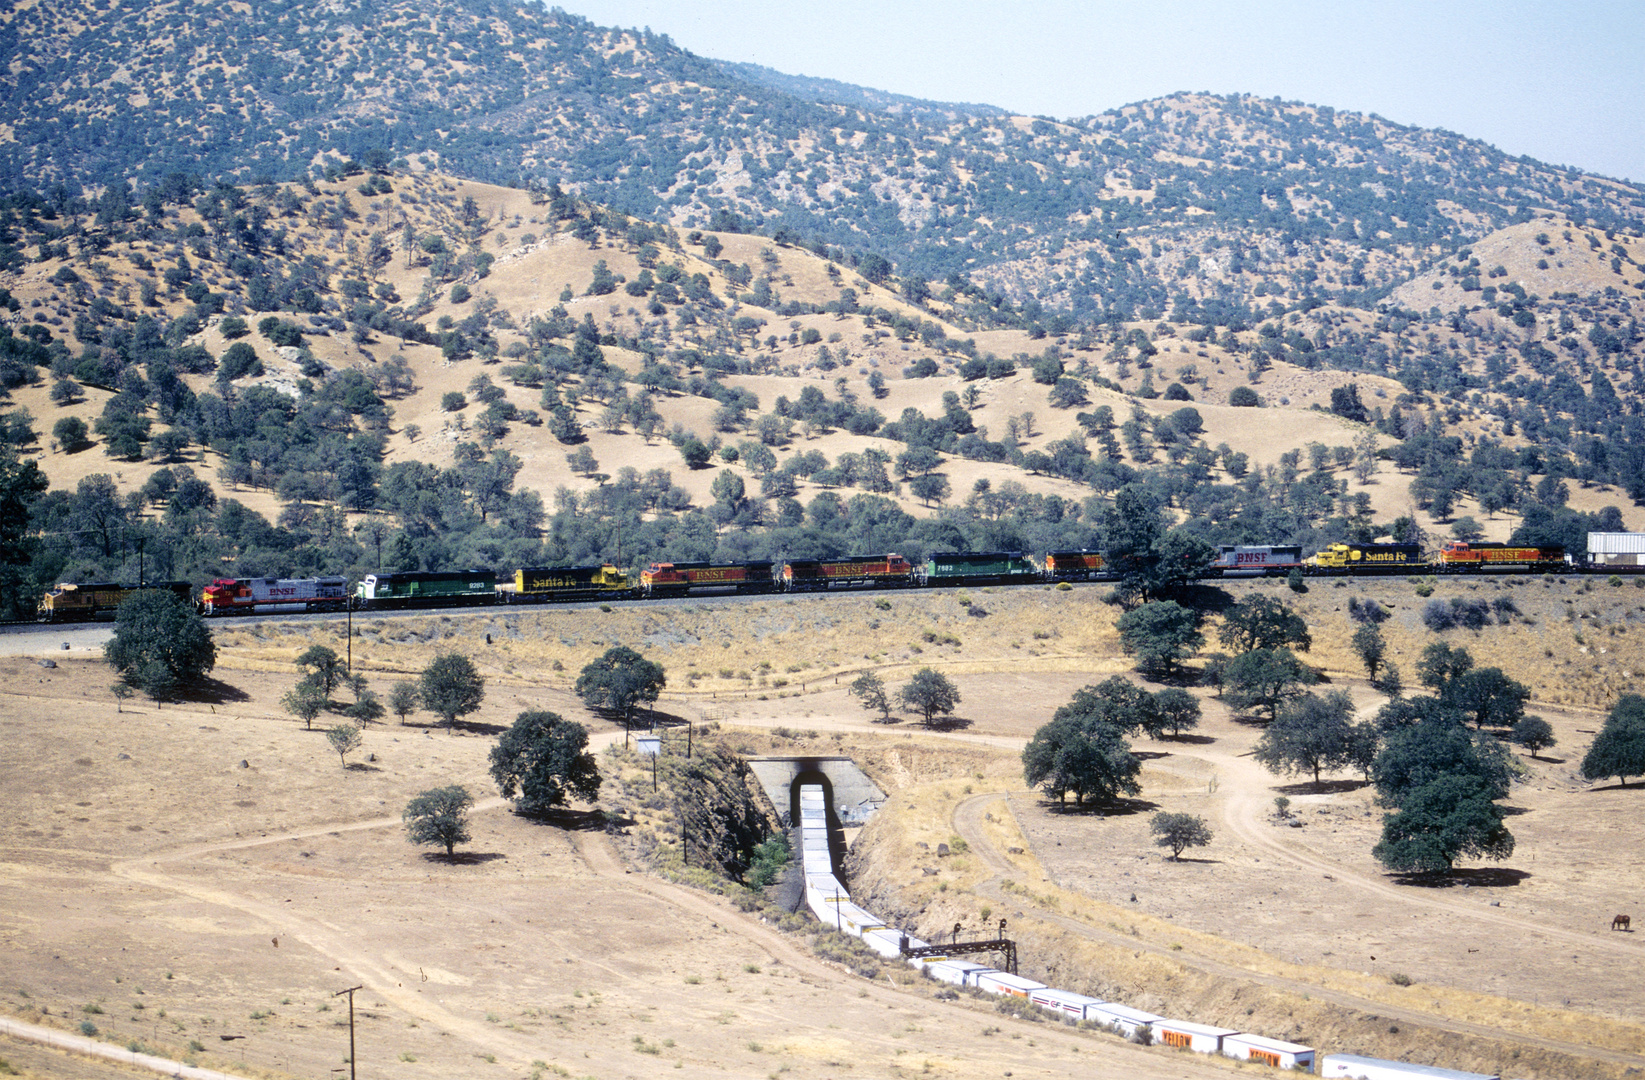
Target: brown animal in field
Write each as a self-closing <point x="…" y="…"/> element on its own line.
<point x="1621" y="922"/>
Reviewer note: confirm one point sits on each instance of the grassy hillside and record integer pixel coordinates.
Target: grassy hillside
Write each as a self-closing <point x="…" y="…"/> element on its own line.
<point x="396" y="367"/>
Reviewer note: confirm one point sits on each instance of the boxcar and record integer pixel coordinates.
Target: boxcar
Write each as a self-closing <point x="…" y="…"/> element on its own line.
<point x="1185" y="1035"/>
<point x="426" y="588"/>
<point x="856" y="572"/>
<point x="75" y="602"/>
<point x="980" y="568"/>
<point x="1369" y="559"/>
<point x="1064" y="1003"/>
<point x="1073" y="565"/>
<point x="247" y="596"/>
<point x="1122" y="1018"/>
<point x="1461" y="556"/>
<point x="553" y="584"/>
<point x="681" y="579"/>
<point x="1256" y="560"/>
<point x="1366" y="1068"/>
<point x="1266" y="1051"/>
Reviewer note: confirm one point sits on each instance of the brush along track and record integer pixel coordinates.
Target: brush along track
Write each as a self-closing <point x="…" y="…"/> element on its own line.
<point x="968" y="818"/>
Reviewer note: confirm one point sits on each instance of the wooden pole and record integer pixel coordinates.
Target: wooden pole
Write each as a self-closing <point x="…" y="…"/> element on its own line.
<point x="350" y="993"/>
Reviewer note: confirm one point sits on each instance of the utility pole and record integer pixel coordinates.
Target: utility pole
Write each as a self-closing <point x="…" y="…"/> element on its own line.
<point x="350" y="993"/>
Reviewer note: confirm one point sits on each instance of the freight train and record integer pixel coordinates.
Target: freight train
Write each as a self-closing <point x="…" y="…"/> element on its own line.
<point x="831" y="903"/>
<point x="387" y="590"/>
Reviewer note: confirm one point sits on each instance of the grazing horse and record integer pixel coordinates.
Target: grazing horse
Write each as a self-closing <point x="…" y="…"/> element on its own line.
<point x="1621" y="922"/>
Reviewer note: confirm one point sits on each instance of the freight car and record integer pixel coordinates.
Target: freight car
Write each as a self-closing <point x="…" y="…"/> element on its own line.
<point x="250" y="596"/>
<point x="426" y="588"/>
<point x="831" y="903"/>
<point x="1367" y="1068"/>
<point x="1258" y="560"/>
<point x="890" y="571"/>
<point x="1462" y="557"/>
<point x="557" y="584"/>
<point x="684" y="578"/>
<point x="980" y="568"/>
<point x="1369" y="559"/>
<point x="1074" y="566"/>
<point x="76" y="602"/>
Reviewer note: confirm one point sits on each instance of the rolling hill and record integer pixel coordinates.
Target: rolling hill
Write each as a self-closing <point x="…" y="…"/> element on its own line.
<point x="290" y="326"/>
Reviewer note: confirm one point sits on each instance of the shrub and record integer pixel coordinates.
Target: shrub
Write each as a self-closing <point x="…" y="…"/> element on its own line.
<point x="1471" y="614"/>
<point x="1367" y="610"/>
<point x="453" y="402"/>
<point x="1244" y="397"/>
<point x="1438" y="617"/>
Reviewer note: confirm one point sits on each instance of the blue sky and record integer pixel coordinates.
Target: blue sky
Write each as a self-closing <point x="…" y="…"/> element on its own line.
<point x="1562" y="82"/>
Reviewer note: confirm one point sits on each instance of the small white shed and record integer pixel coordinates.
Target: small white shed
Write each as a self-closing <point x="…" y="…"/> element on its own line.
<point x="1266" y="1051"/>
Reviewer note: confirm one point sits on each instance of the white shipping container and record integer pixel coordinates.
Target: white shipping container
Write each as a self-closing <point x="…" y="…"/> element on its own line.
<point x="952" y="971"/>
<point x="1129" y="1021"/>
<point x="1275" y="1052"/>
<point x="1200" y="1038"/>
<point x="1365" y="1068"/>
<point x="888" y="943"/>
<point x="1615" y="543"/>
<point x="1001" y="982"/>
<point x="1066" y="1002"/>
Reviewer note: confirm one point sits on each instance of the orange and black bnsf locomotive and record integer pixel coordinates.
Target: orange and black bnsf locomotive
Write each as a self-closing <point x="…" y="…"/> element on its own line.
<point x="560" y="584"/>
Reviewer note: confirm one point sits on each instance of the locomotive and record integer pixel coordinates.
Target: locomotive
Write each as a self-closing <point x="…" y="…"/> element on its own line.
<point x="72" y="602"/>
<point x="389" y="590"/>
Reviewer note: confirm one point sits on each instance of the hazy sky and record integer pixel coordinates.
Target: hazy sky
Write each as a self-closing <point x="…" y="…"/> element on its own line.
<point x="1561" y="81"/>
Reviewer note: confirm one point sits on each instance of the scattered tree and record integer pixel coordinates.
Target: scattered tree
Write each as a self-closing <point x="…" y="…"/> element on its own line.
<point x="1179" y="832"/>
<point x="544" y="759"/>
<point x="1265" y="679"/>
<point x="930" y="694"/>
<point x="1436" y="745"/>
<point x="1310" y="734"/>
<point x="121" y="691"/>
<point x="345" y="739"/>
<point x="1178" y="710"/>
<point x="620" y="680"/>
<point x="451" y="687"/>
<point x="1161" y="634"/>
<point x="869" y="690"/>
<point x="1619" y="748"/>
<point x="159" y="643"/>
<point x="1388" y="681"/>
<point x="1488" y="697"/>
<point x="1444" y="819"/>
<point x="1370" y="647"/>
<point x="324" y="665"/>
<point x="305" y="701"/>
<point x="439" y="816"/>
<point x="1081" y="755"/>
<point x="1440" y="664"/>
<point x="404" y="699"/>
<point x="1533" y="733"/>
<point x="1261" y="622"/>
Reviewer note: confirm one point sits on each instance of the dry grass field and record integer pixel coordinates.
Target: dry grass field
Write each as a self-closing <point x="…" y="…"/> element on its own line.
<point x="176" y="875"/>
